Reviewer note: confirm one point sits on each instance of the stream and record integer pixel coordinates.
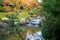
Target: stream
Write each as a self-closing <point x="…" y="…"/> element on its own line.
<point x="35" y="36"/>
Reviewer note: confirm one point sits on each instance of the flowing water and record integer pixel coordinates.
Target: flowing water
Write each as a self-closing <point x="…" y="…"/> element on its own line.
<point x="38" y="34"/>
<point x="35" y="36"/>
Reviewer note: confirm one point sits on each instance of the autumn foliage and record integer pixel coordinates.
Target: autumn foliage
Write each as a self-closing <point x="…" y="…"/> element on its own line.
<point x="27" y="4"/>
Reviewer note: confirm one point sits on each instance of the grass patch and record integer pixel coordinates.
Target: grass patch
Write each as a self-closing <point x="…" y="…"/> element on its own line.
<point x="3" y="14"/>
<point x="23" y="14"/>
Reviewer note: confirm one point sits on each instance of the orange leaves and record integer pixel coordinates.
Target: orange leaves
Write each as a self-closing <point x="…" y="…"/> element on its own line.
<point x="29" y="3"/>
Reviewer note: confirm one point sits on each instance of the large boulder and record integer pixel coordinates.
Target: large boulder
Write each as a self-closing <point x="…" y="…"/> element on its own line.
<point x="5" y="18"/>
<point x="23" y="21"/>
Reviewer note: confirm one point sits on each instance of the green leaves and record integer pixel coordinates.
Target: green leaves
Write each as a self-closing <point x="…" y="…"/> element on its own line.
<point x="48" y="5"/>
<point x="51" y="10"/>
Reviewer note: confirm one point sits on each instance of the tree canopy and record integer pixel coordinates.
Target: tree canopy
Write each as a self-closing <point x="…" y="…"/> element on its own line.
<point x="50" y="8"/>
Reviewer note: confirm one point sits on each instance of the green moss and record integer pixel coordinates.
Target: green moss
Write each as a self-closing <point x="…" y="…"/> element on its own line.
<point x="23" y="14"/>
<point x="3" y="14"/>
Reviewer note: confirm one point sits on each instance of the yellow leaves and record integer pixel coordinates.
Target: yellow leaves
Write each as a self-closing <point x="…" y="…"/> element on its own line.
<point x="7" y="8"/>
<point x="15" y="9"/>
<point x="15" y="1"/>
<point x="27" y="4"/>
